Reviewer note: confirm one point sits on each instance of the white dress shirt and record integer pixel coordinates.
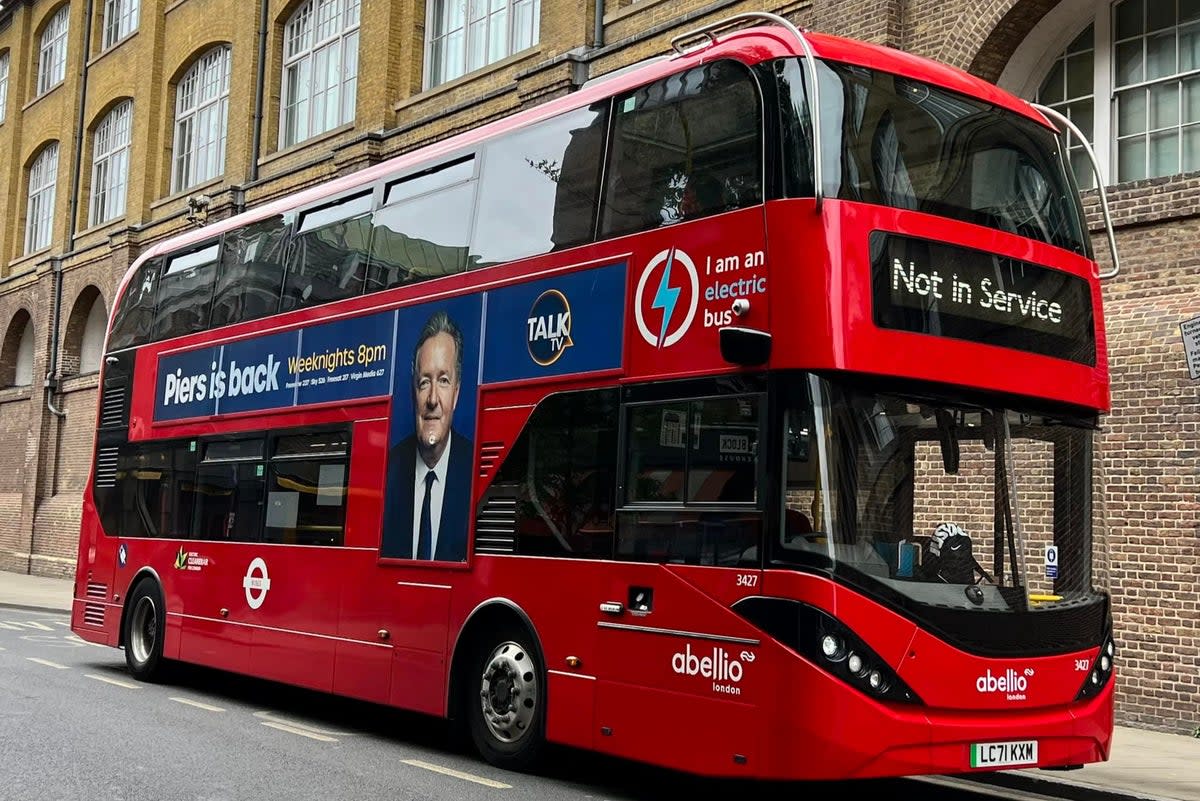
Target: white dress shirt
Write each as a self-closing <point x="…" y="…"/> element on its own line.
<point x="436" y="493"/>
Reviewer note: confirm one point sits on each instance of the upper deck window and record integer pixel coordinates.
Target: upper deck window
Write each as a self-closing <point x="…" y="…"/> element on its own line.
<point x="906" y="144"/>
<point x="423" y="229"/>
<point x="687" y="146"/>
<point x="328" y="257"/>
<point x="185" y="293"/>
<point x="554" y="167"/>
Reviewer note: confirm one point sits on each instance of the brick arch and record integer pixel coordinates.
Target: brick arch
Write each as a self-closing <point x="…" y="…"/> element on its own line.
<point x="983" y="35"/>
<point x="104" y="111"/>
<point x="1006" y="35"/>
<point x="188" y="61"/>
<point x="82" y="351"/>
<point x="10" y="349"/>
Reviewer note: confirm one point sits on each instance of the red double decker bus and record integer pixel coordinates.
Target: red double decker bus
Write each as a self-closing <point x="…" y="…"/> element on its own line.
<point x="734" y="413"/>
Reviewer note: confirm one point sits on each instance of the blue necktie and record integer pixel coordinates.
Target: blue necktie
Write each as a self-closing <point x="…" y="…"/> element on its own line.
<point x="426" y="536"/>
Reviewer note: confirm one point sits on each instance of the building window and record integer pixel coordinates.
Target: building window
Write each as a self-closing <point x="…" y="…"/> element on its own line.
<point x="468" y="34"/>
<point x="1156" y="70"/>
<point x="320" y="69"/>
<point x="52" y="55"/>
<point x="39" y="216"/>
<point x="1069" y="89"/>
<point x="120" y="20"/>
<point x="110" y="164"/>
<point x="201" y="117"/>
<point x="3" y="84"/>
<point x="1141" y="55"/>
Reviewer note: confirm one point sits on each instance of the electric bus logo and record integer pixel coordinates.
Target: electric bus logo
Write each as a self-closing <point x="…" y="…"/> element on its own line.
<point x="549" y="327"/>
<point x="667" y="294"/>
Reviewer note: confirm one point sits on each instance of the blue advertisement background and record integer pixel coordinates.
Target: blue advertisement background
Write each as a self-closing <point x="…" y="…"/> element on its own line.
<point x="597" y="301"/>
<point x="466" y="313"/>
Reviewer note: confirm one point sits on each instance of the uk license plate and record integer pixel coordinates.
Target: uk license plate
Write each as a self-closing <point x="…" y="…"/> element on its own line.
<point x="1001" y="755"/>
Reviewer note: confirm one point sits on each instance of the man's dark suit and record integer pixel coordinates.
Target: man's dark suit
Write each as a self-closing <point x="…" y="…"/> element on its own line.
<point x="456" y="501"/>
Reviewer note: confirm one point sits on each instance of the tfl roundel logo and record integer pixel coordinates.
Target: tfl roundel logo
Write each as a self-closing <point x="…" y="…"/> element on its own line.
<point x="667" y="294"/>
<point x="549" y="327"/>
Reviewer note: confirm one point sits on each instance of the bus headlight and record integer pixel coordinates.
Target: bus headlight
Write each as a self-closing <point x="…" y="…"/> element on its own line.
<point x="1101" y="672"/>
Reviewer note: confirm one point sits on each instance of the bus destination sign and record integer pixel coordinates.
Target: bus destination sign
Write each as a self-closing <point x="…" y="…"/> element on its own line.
<point x="930" y="287"/>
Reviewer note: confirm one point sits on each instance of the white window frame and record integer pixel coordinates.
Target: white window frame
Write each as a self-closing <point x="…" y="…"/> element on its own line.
<point x="120" y="20"/>
<point x="467" y="35"/>
<point x="52" y="51"/>
<point x="4" y="60"/>
<point x="39" y="212"/>
<point x="110" y="164"/>
<point x="322" y="36"/>
<point x="1033" y="58"/>
<point x="201" y="120"/>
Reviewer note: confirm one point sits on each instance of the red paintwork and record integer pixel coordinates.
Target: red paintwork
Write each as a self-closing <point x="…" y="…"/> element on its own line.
<point x="327" y="607"/>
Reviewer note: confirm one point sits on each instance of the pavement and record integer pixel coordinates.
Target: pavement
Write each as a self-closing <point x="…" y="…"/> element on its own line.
<point x="1147" y="765"/>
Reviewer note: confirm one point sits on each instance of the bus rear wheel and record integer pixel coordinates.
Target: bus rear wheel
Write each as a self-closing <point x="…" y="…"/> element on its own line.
<point x="505" y="703"/>
<point x="145" y="626"/>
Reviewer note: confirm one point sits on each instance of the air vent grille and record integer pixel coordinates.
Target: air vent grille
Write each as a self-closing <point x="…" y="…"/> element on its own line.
<point x="93" y="615"/>
<point x="106" y="467"/>
<point x="496" y="526"/>
<point x="112" y="405"/>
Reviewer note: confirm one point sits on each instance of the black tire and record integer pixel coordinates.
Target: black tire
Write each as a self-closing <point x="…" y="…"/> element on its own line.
<point x="505" y="699"/>
<point x="145" y="627"/>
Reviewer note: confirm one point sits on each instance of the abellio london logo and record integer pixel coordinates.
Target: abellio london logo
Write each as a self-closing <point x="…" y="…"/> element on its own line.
<point x="1010" y="683"/>
<point x="667" y="294"/>
<point x="719" y="666"/>
<point x="549" y="323"/>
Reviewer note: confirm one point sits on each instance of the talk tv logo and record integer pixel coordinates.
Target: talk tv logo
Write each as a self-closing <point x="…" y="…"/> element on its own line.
<point x="549" y="327"/>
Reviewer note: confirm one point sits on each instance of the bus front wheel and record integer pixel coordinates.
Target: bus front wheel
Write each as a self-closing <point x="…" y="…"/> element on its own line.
<point x="506" y="703"/>
<point x="145" y="626"/>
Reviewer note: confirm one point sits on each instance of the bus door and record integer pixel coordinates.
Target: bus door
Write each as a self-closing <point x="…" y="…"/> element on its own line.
<point x="673" y="662"/>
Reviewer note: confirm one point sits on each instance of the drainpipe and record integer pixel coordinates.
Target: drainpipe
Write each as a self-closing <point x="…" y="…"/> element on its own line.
<point x="259" y="81"/>
<point x="598" y="30"/>
<point x="72" y="215"/>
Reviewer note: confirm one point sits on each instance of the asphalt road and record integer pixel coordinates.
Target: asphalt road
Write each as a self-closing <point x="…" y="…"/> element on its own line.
<point x="75" y="726"/>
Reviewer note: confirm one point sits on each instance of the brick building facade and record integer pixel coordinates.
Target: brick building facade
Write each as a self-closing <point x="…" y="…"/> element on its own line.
<point x="97" y="163"/>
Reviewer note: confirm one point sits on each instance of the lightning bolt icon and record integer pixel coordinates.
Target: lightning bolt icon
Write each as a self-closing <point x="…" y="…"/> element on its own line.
<point x="666" y="297"/>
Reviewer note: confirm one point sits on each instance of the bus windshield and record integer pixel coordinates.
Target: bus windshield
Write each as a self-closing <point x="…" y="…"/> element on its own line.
<point x="899" y="142"/>
<point x="949" y="504"/>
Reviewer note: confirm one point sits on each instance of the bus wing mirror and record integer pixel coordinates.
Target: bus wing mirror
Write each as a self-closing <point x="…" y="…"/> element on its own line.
<point x="746" y="346"/>
<point x="948" y="437"/>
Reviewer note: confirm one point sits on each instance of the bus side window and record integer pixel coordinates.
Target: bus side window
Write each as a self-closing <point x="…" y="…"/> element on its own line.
<point x="423" y="229"/>
<point x="134" y="317"/>
<point x="153" y="492"/>
<point x="554" y="168"/>
<point x="185" y="292"/>
<point x="691" y="482"/>
<point x="229" y="491"/>
<point x="562" y="471"/>
<point x="327" y="259"/>
<point x="306" y="491"/>
<point x="251" y="272"/>
<point x="687" y="146"/>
